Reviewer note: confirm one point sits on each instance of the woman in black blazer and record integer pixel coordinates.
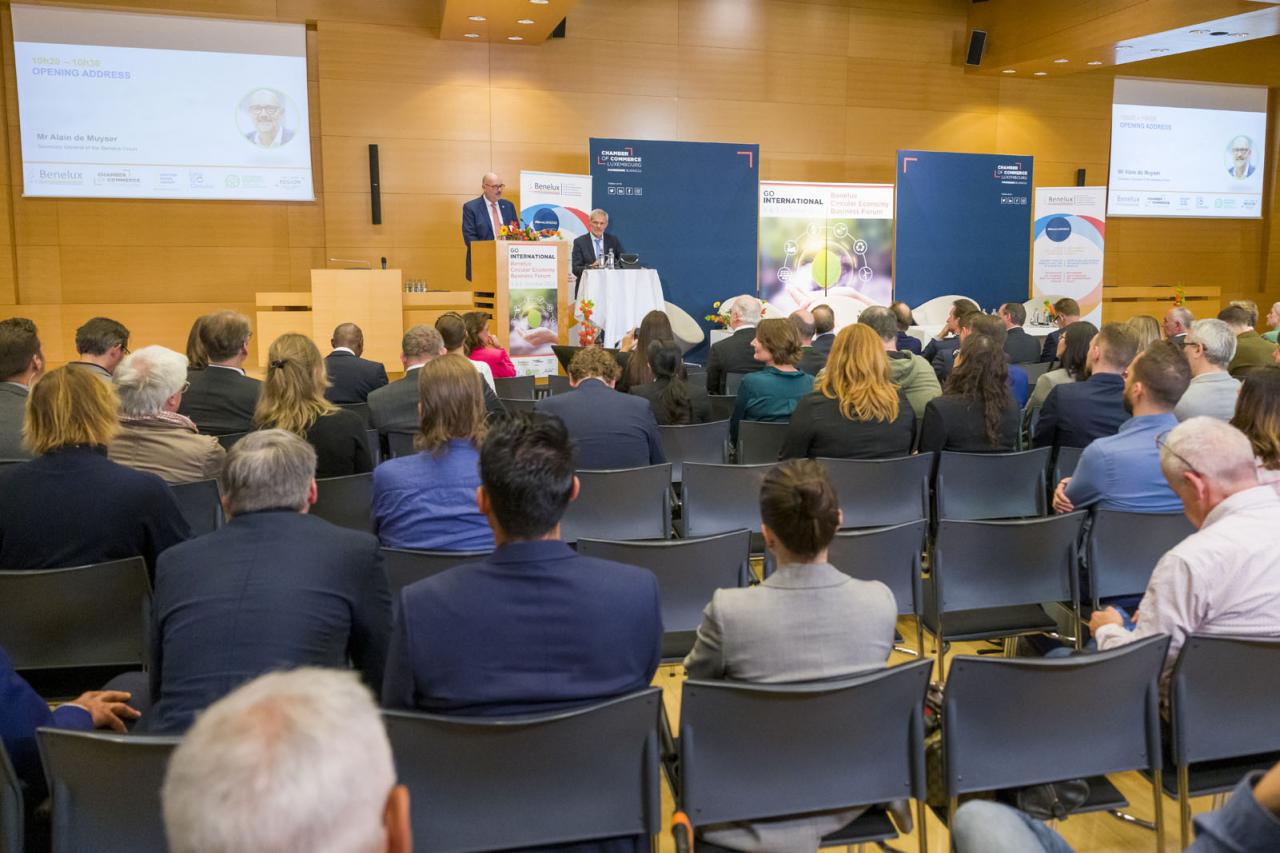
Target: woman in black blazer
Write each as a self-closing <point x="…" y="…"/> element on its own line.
<point x="673" y="399"/>
<point x="855" y="411"/>
<point x="293" y="399"/>
<point x="976" y="412"/>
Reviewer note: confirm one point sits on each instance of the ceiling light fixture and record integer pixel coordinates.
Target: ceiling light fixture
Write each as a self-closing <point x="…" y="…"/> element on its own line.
<point x="1095" y="62"/>
<point x="1061" y="61"/>
<point x="1239" y="35"/>
<point x="525" y="21"/>
<point x="539" y="2"/>
<point x="1009" y="71"/>
<point x="515" y="38"/>
<point x="1042" y="74"/>
<point x="477" y="18"/>
<point x="1124" y="47"/>
<point x="471" y="35"/>
<point x="1199" y="32"/>
<point x="1159" y="50"/>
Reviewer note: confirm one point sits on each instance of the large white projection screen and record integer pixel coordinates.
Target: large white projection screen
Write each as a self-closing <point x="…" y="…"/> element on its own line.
<point x="120" y="105"/>
<point x="1187" y="149"/>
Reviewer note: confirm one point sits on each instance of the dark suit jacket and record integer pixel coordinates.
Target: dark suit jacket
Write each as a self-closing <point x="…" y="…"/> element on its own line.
<point x="818" y="429"/>
<point x="609" y="429"/>
<point x="1049" y="351"/>
<point x="651" y="391"/>
<point x="22" y="711"/>
<point x="1075" y="413"/>
<point x="734" y="355"/>
<point x="220" y="400"/>
<point x="812" y="360"/>
<point x="531" y="628"/>
<point x="394" y="407"/>
<point x="476" y="224"/>
<point x="584" y="251"/>
<point x="269" y="590"/>
<point x="952" y="423"/>
<point x="941" y="355"/>
<point x="341" y="443"/>
<point x="75" y="506"/>
<point x="822" y="343"/>
<point x="1021" y="347"/>
<point x="352" y="377"/>
<point x="13" y="405"/>
<point x="909" y="343"/>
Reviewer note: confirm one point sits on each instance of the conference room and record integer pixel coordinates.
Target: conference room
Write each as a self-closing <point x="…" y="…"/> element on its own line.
<point x="694" y="424"/>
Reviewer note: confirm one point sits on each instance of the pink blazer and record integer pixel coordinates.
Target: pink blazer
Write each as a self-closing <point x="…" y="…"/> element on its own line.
<point x="497" y="360"/>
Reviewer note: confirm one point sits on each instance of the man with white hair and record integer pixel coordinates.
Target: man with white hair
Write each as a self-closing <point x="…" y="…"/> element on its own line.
<point x="290" y="761"/>
<point x="735" y="354"/>
<point x="1224" y="578"/>
<point x="1209" y="347"/>
<point x="153" y="436"/>
<point x="1177" y="322"/>
<point x="266" y="111"/>
<point x="592" y="248"/>
<point x="274" y="587"/>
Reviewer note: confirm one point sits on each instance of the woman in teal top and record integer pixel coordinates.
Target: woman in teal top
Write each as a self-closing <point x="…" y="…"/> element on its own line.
<point x="771" y="394"/>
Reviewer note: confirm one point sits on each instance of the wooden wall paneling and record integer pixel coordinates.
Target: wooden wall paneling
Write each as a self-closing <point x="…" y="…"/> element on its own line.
<point x="144" y="222"/>
<point x="440" y="268"/>
<point x="302" y="261"/>
<point x="567" y="118"/>
<point x="879" y="84"/>
<point x="364" y="109"/>
<point x="650" y="22"/>
<point x="786" y="166"/>
<point x="764" y="75"/>
<point x="884" y="133"/>
<point x="510" y="158"/>
<point x="776" y="126"/>
<point x="1052" y="137"/>
<point x="902" y="36"/>
<point x="597" y="67"/>
<point x="39" y="274"/>
<point x="765" y="25"/>
<point x="406" y="13"/>
<point x="406" y="55"/>
<point x="147" y="274"/>
<point x="407" y="220"/>
<point x="406" y="165"/>
<point x="198" y="8"/>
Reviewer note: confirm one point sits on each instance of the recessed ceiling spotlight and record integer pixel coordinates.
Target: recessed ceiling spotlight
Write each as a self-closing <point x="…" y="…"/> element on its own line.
<point x="1219" y="33"/>
<point x="539" y="2"/>
<point x="1061" y="61"/>
<point x="477" y="18"/>
<point x="525" y="21"/>
<point x="515" y="38"/>
<point x="1094" y="62"/>
<point x="1042" y="74"/>
<point x="1009" y="71"/>
<point x="471" y="35"/>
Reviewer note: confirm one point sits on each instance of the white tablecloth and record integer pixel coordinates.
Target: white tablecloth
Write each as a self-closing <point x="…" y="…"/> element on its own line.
<point x="621" y="299"/>
<point x="925" y="332"/>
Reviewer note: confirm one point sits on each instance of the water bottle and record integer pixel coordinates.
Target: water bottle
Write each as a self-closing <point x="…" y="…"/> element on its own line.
<point x="609" y="263"/>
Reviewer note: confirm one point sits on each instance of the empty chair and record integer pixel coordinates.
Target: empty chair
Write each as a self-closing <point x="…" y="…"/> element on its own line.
<point x="12" y="817"/>
<point x="12" y="461"/>
<point x="720" y="498"/>
<point x="977" y="486"/>
<point x="689" y="571"/>
<point x="501" y="783"/>
<point x="230" y="438"/>
<point x="1222" y="700"/>
<point x="361" y="409"/>
<point x="1064" y="464"/>
<point x="514" y="387"/>
<point x="732" y="380"/>
<point x="988" y="578"/>
<point x="683" y="443"/>
<point x="201" y="505"/>
<point x="822" y="746"/>
<point x="375" y="446"/>
<point x="92" y="615"/>
<point x="405" y="567"/>
<point x="1011" y="722"/>
<point x="879" y="492"/>
<point x="627" y="503"/>
<point x="760" y="441"/>
<point x="1124" y="547"/>
<point x="106" y="790"/>
<point x="557" y="384"/>
<point x="400" y="444"/>
<point x="514" y="405"/>
<point x="1034" y="370"/>
<point x="345" y="501"/>
<point x="890" y="555"/>
<point x="722" y="406"/>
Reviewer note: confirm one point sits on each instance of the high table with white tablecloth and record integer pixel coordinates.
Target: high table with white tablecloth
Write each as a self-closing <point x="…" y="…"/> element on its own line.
<point x="621" y="299"/>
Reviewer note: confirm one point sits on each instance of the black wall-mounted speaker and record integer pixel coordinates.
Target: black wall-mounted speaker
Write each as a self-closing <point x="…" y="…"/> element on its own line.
<point x="977" y="43"/>
<point x="375" y="186"/>
<point x="1079" y="177"/>
<point x="560" y="30"/>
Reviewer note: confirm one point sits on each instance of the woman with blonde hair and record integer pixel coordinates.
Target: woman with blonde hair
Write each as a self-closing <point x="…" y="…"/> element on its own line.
<point x="855" y="410"/>
<point x="71" y="505"/>
<point x="771" y="394"/>
<point x="1147" y="328"/>
<point x="292" y="399"/>
<point x="428" y="500"/>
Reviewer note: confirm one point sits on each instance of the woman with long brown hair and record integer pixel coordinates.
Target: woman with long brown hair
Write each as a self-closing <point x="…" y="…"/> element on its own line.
<point x="976" y="412"/>
<point x="656" y="326"/>
<point x="1258" y="416"/>
<point x="292" y="399"/>
<point x="481" y="345"/>
<point x="427" y="501"/>
<point x="672" y="397"/>
<point x="855" y="411"/>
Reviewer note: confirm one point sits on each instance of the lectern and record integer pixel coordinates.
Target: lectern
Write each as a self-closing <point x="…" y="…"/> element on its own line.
<point x="525" y="286"/>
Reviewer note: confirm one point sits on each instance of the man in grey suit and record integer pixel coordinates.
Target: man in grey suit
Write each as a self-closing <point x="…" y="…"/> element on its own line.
<point x="21" y="363"/>
<point x="806" y="622"/>
<point x="1209" y="346"/>
<point x="394" y="407"/>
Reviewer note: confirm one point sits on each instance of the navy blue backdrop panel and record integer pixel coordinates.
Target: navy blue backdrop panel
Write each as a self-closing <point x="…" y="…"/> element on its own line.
<point x="689" y="209"/>
<point x="963" y="227"/>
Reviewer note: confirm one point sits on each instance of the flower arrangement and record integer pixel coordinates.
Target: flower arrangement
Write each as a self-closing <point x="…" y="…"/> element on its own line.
<point x="527" y="234"/>
<point x="715" y="318"/>
<point x="588" y="332"/>
<point x="1049" y="314"/>
<point x="1179" y="296"/>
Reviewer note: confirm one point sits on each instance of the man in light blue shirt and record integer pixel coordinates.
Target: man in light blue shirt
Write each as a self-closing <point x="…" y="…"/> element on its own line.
<point x="1122" y="471"/>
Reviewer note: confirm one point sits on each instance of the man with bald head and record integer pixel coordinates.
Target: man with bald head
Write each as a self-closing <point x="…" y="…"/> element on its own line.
<point x="483" y="217"/>
<point x="266" y="109"/>
<point x="351" y="377"/>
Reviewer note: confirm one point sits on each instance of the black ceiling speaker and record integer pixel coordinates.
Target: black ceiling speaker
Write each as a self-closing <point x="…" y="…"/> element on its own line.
<point x="977" y="43"/>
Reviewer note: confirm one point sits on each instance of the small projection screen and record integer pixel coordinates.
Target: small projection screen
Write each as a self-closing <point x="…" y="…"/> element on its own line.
<point x="122" y="105"/>
<point x="1187" y="149"/>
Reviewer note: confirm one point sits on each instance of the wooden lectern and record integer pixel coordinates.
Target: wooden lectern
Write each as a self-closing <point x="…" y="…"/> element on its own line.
<point x="500" y="267"/>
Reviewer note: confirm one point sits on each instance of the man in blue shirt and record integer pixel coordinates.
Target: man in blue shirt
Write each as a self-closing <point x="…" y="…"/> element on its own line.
<point x="1122" y="471"/>
<point x="1076" y="413"/>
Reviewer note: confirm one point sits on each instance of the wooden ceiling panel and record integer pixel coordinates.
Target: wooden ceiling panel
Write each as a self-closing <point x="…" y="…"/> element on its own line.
<point x="524" y="22"/>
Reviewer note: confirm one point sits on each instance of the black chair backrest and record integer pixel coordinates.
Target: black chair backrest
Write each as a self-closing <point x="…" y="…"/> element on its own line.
<point x="106" y="790"/>
<point x="361" y="409"/>
<point x="375" y="446"/>
<point x="720" y="498"/>
<point x="1124" y="547"/>
<point x="689" y="571"/>
<point x="1064" y="464"/>
<point x="979" y="564"/>
<point x="1034" y="370"/>
<point x="201" y="505"/>
<point x="4" y="462"/>
<point x="95" y="615"/>
<point x="732" y="380"/>
<point x="501" y="783"/>
<point x="822" y="745"/>
<point x="12" y="817"/>
<point x="1009" y="722"/>
<point x="515" y="387"/>
<point x="514" y="405"/>
<point x="627" y="503"/>
<point x="405" y="567"/>
<point x="977" y="486"/>
<point x="346" y="501"/>
<point x="1222" y="695"/>
<point x="557" y="384"/>
<point x="722" y="406"/>
<point x="230" y="438"/>
<point x="400" y="444"/>
<point x="683" y="443"/>
<point x="890" y="555"/>
<point x="760" y="441"/>
<point x="877" y="492"/>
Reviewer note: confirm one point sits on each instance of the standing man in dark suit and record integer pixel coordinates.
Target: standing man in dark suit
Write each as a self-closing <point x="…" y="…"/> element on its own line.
<point x="591" y="249"/>
<point x="21" y="364"/>
<point x="824" y="325"/>
<point x="274" y="588"/>
<point x="734" y="354"/>
<point x="534" y="626"/>
<point x="1018" y="345"/>
<point x="221" y="399"/>
<point x="351" y="377"/>
<point x="483" y="217"/>
<point x="394" y="407"/>
<point x="1075" y="413"/>
<point x="1065" y="312"/>
<point x="609" y="429"/>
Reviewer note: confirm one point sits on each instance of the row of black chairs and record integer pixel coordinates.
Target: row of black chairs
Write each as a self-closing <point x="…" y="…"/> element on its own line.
<point x="750" y="752"/>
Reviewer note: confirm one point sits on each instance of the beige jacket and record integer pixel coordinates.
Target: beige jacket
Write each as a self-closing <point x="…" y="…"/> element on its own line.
<point x="168" y="445"/>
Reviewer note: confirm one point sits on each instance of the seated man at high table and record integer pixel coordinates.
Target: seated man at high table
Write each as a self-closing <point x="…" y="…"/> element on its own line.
<point x="591" y="249"/>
